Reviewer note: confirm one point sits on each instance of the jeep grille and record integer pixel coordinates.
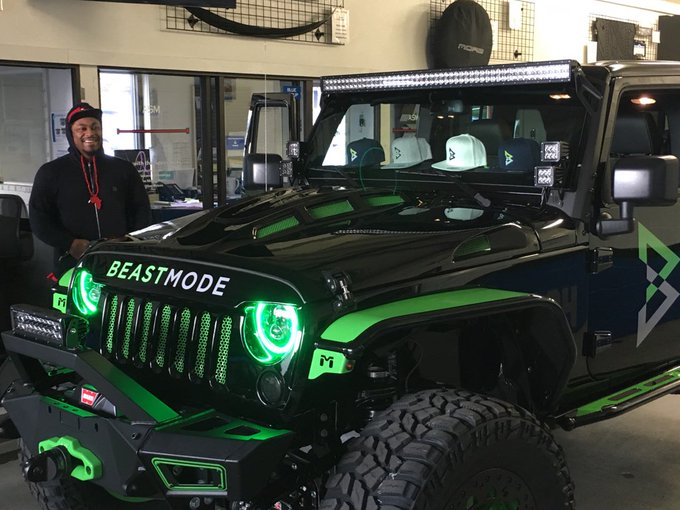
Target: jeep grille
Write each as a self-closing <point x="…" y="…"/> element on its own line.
<point x="182" y="340"/>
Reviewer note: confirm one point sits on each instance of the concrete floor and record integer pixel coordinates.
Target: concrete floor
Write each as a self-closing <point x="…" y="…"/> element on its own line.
<point x="627" y="463"/>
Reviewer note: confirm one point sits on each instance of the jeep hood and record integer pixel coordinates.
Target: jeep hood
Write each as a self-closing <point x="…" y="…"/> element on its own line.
<point x="288" y="242"/>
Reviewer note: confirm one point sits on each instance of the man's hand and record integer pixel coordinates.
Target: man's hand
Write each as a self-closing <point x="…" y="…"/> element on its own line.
<point x="78" y="247"/>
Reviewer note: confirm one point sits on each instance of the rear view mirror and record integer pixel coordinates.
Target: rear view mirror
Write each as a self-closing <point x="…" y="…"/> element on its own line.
<point x="642" y="181"/>
<point x="262" y="172"/>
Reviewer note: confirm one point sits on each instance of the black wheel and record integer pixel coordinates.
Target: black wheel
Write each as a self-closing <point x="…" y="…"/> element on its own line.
<point x="67" y="493"/>
<point x="453" y="450"/>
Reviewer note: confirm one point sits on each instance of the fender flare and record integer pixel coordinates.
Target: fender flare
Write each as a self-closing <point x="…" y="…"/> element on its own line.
<point x="355" y="331"/>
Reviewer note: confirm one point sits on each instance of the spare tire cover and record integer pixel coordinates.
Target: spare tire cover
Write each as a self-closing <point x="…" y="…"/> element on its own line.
<point x="461" y="37"/>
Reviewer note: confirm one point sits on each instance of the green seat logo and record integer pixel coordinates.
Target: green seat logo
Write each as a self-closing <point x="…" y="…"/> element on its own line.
<point x="658" y="281"/>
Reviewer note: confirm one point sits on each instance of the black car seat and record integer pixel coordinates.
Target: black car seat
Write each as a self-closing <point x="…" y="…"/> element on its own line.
<point x="16" y="242"/>
<point x="635" y="133"/>
<point x="492" y="134"/>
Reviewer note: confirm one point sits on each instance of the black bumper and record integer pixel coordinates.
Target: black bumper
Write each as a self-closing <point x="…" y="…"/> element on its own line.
<point x="148" y="450"/>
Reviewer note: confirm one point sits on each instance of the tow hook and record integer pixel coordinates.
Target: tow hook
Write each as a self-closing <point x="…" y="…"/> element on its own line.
<point x="49" y="465"/>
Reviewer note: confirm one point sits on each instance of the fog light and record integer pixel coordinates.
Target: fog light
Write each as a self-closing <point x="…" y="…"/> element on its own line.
<point x="270" y="388"/>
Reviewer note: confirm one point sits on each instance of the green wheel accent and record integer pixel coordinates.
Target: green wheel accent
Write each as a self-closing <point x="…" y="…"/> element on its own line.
<point x="160" y="462"/>
<point x="329" y="362"/>
<point x="349" y="327"/>
<point x="90" y="467"/>
<point x="279" y="226"/>
<point x="671" y="376"/>
<point x="328" y="210"/>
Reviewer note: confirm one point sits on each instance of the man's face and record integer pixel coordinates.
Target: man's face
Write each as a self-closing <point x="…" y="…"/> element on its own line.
<point x="87" y="136"/>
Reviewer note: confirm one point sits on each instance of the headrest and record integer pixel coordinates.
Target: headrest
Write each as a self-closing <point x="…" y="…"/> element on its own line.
<point x="633" y="134"/>
<point x="519" y="154"/>
<point x="365" y="151"/>
<point x="463" y="152"/>
<point x="489" y="132"/>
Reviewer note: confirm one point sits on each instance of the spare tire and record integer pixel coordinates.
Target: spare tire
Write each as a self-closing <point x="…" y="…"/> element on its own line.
<point x="461" y="37"/>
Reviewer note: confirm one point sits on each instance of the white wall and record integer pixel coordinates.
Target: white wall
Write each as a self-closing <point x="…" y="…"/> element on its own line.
<point x="385" y="35"/>
<point x="562" y="28"/>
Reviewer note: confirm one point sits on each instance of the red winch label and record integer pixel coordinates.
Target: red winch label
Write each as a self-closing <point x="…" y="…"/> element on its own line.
<point x="88" y="397"/>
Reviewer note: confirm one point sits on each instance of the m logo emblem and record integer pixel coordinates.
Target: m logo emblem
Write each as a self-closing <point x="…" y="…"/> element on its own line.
<point x="323" y="359"/>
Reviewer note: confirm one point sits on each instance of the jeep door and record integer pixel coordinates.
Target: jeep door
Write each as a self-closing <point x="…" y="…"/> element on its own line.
<point x="634" y="310"/>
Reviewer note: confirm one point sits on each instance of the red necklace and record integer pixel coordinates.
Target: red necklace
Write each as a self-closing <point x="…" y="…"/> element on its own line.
<point x="92" y="187"/>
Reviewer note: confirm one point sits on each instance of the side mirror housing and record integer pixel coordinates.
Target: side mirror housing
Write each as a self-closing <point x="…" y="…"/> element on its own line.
<point x="641" y="180"/>
<point x="262" y="172"/>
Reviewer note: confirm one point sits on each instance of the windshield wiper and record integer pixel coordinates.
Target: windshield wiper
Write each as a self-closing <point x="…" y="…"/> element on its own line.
<point x="468" y="190"/>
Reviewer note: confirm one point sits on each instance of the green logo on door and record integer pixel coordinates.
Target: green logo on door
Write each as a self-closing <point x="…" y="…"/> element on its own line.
<point x="648" y="317"/>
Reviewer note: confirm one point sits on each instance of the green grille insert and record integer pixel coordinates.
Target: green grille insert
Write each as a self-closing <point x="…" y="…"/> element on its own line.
<point x="182" y="337"/>
<point x="386" y="200"/>
<point x="325" y="211"/>
<point x="129" y="321"/>
<point x="166" y="313"/>
<point x="223" y="351"/>
<point x="279" y="226"/>
<point x="111" y="326"/>
<point x="146" y="329"/>
<point x="203" y="333"/>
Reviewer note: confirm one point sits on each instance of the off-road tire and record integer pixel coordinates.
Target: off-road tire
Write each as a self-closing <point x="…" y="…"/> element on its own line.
<point x="67" y="493"/>
<point x="451" y="449"/>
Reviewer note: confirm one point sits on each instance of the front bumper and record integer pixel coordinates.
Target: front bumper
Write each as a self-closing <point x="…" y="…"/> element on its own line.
<point x="147" y="450"/>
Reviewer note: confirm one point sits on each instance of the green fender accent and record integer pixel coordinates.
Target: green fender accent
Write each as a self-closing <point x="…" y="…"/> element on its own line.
<point x="349" y="327"/>
<point x="59" y="302"/>
<point x="91" y="466"/>
<point x="329" y="362"/>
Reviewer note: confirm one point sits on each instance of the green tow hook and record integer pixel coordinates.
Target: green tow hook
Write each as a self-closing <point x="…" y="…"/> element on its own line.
<point x="88" y="467"/>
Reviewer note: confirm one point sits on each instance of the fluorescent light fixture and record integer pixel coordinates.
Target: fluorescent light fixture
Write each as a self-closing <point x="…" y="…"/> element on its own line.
<point x="559" y="71"/>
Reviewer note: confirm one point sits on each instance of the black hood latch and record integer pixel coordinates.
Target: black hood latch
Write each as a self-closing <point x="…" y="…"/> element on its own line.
<point x="339" y="285"/>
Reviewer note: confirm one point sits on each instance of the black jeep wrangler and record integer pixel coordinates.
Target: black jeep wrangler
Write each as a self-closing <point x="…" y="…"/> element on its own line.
<point x="394" y="317"/>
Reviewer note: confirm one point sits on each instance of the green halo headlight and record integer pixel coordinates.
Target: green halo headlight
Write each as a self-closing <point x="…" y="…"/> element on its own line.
<point x="85" y="293"/>
<point x="271" y="331"/>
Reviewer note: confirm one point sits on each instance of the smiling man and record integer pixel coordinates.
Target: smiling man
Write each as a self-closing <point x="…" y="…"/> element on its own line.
<point x="85" y="195"/>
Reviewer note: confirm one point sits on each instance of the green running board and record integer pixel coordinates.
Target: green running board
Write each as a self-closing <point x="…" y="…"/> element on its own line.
<point x="623" y="400"/>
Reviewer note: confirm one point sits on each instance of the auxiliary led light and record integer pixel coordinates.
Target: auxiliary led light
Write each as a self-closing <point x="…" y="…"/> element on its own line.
<point x="271" y="331"/>
<point x="488" y="76"/>
<point x="85" y="293"/>
<point x="48" y="326"/>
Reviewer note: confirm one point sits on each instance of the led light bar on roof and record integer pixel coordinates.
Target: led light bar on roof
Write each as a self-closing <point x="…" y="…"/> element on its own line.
<point x="488" y="76"/>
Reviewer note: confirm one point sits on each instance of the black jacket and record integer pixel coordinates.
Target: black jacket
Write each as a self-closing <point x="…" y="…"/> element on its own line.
<point x="59" y="210"/>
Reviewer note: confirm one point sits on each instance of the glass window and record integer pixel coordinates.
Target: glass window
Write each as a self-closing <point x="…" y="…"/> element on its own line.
<point x="33" y="106"/>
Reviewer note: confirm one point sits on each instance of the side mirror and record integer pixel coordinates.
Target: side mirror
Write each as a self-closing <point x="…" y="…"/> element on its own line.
<point x="642" y="180"/>
<point x="262" y="172"/>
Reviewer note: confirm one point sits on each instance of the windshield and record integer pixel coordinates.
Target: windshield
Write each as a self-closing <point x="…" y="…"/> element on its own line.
<point x="485" y="136"/>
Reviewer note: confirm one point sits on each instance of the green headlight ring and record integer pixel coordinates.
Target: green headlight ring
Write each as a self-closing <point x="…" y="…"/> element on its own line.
<point x="85" y="293"/>
<point x="271" y="331"/>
